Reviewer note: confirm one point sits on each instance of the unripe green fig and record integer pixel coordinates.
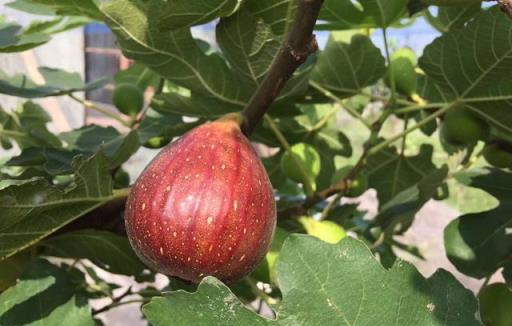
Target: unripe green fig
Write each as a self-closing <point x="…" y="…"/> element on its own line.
<point x="121" y="179"/>
<point x="128" y="99"/>
<point x="203" y="206"/>
<point x="497" y="156"/>
<point x="358" y="185"/>
<point x="304" y="167"/>
<point x="461" y="127"/>
<point x="156" y="142"/>
<point x="495" y="304"/>
<point x="327" y="231"/>
<point x="403" y="63"/>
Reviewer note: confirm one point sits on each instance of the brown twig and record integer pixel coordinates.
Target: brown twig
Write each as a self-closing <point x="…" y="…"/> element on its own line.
<point x="299" y="44"/>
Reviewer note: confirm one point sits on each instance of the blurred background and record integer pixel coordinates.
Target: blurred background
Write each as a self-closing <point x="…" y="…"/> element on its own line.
<point x="91" y="51"/>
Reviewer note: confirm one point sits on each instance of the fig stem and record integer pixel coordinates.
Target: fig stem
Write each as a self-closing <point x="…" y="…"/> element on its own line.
<point x="423" y="122"/>
<point x="330" y="95"/>
<point x="91" y="106"/>
<point x="298" y="45"/>
<point x="390" y="66"/>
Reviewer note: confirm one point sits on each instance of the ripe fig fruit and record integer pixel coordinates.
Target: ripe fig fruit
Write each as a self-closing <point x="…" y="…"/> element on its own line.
<point x="128" y="99"/>
<point x="203" y="206"/>
<point x="462" y="128"/>
<point x="498" y="156"/>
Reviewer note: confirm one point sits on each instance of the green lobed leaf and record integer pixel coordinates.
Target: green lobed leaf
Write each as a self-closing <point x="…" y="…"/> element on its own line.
<point x="139" y="75"/>
<point x="108" y="250"/>
<point x="390" y="173"/>
<point x="278" y="15"/>
<point x="168" y="126"/>
<point x="248" y="44"/>
<point x="453" y="17"/>
<point x="31" y="7"/>
<point x="184" y="13"/>
<point x="346" y="67"/>
<point x="398" y="214"/>
<point x="86" y="8"/>
<point x="14" y="39"/>
<point x="474" y="64"/>
<point x="27" y="127"/>
<point x="480" y="243"/>
<point x="33" y="210"/>
<point x="45" y="295"/>
<point x="324" y="284"/>
<point x="91" y="139"/>
<point x="53" y="161"/>
<point x="174" y="55"/>
<point x="57" y="82"/>
<point x="346" y="14"/>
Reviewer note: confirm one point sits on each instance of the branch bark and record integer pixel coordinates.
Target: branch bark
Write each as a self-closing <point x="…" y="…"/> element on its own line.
<point x="299" y="44"/>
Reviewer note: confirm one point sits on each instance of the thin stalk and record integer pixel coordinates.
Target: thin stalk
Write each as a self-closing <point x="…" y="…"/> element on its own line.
<point x="419" y="107"/>
<point x="91" y="106"/>
<point x="330" y="95"/>
<point x="328" y="209"/>
<point x="423" y="122"/>
<point x="404" y="138"/>
<point x="390" y="66"/>
<point x="308" y="187"/>
<point x="118" y="304"/>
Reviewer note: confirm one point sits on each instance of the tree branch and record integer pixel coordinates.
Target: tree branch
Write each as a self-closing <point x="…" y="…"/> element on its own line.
<point x="299" y="44"/>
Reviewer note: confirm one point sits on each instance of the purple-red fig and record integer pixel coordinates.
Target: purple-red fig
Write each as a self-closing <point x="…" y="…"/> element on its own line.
<point x="203" y="206"/>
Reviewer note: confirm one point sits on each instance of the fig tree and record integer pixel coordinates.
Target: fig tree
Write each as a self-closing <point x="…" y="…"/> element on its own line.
<point x="203" y="206"/>
<point x="128" y="99"/>
<point x="498" y="156"/>
<point x="460" y="127"/>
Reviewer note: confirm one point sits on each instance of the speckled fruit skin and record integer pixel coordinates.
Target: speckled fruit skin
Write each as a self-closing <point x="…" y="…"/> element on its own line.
<point x="203" y="206"/>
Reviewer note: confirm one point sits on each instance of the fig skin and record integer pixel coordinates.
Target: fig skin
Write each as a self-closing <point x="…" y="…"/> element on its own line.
<point x="203" y="206"/>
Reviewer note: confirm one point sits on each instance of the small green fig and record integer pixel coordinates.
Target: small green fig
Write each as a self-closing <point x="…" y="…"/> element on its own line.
<point x="498" y="156"/>
<point x="495" y="304"/>
<point x="402" y="69"/>
<point x="461" y="127"/>
<point x="128" y="99"/>
<point x="327" y="231"/>
<point x="301" y="163"/>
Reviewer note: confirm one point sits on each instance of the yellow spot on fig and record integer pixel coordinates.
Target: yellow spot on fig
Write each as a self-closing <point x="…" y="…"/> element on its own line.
<point x="143" y="206"/>
<point x="188" y="259"/>
<point x="161" y="251"/>
<point x="209" y="220"/>
<point x="242" y="258"/>
<point x="168" y="188"/>
<point x="175" y="234"/>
